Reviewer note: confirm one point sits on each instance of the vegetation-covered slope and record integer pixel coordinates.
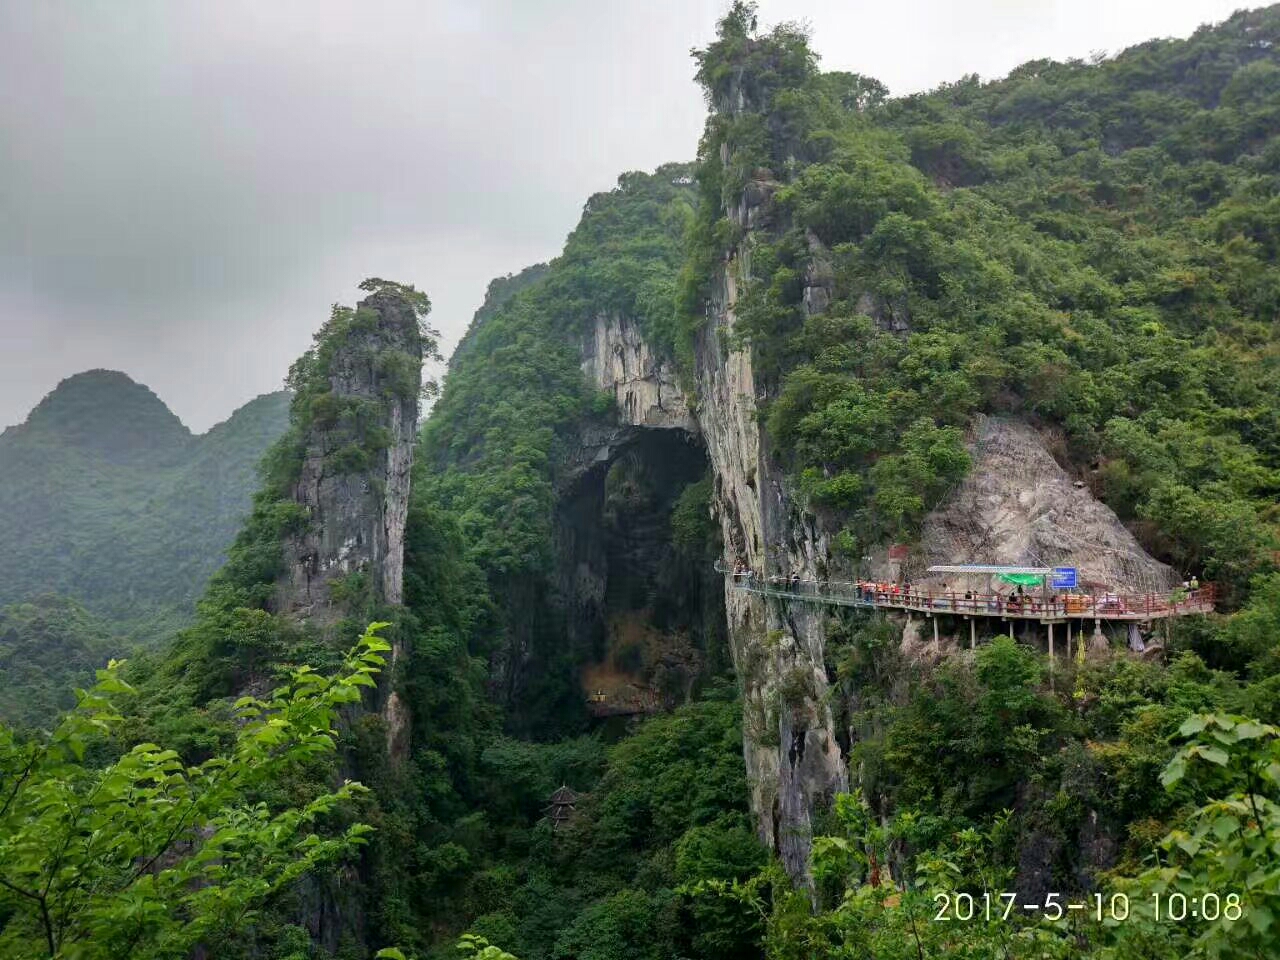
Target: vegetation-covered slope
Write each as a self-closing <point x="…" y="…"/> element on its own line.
<point x="495" y="443"/>
<point x="1042" y="247"/>
<point x="49" y="646"/>
<point x="105" y="497"/>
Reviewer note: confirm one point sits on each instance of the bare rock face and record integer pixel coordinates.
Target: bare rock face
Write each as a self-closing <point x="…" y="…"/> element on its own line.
<point x="1019" y="507"/>
<point x="618" y="359"/>
<point x="819" y="276"/>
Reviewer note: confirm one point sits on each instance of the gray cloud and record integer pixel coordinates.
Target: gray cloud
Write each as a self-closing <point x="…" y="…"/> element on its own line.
<point x="186" y="186"/>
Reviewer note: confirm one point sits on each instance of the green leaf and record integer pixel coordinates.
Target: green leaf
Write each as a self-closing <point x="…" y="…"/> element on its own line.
<point x="1260" y="917"/>
<point x="1224" y="827"/>
<point x="1251" y="730"/>
<point x="1214" y="755"/>
<point x="1174" y="772"/>
<point x="1188" y="845"/>
<point x="83" y="830"/>
<point x="1193" y="725"/>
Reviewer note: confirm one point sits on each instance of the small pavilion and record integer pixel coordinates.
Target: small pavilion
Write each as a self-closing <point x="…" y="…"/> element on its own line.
<point x="561" y="807"/>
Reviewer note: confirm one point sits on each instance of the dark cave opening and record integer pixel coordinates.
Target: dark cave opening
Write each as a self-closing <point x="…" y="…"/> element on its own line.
<point x="644" y="612"/>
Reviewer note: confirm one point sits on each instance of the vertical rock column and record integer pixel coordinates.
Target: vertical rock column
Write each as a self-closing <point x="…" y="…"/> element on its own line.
<point x="794" y="763"/>
<point x="355" y="473"/>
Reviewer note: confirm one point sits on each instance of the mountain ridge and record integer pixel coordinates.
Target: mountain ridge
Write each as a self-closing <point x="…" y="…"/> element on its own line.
<point x="107" y="498"/>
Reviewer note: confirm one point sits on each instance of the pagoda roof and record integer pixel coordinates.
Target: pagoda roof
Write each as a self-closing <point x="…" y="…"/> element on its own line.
<point x="562" y="796"/>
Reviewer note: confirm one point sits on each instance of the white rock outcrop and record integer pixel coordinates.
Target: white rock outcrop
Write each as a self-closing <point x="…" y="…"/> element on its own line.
<point x="617" y="358"/>
<point x="1018" y="507"/>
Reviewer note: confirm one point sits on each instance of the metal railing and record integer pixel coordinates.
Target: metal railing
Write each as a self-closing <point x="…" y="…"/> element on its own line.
<point x="871" y="595"/>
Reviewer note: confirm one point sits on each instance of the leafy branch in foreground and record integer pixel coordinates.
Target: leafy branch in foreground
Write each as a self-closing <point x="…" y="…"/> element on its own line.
<point x="1229" y="846"/>
<point x="474" y="947"/>
<point x="145" y="857"/>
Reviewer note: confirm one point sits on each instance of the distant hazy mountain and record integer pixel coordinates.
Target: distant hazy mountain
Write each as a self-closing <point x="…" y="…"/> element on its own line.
<point x="105" y="497"/>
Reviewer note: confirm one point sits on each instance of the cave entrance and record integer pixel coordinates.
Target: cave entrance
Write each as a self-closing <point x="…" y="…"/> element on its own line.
<point x="645" y="609"/>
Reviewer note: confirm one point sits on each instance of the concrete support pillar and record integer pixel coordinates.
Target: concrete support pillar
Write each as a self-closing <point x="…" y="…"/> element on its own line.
<point x="935" y="631"/>
<point x="1098" y="642"/>
<point x="973" y="633"/>
<point x="1068" y="639"/>
<point x="1010" y="628"/>
<point x="1050" y="654"/>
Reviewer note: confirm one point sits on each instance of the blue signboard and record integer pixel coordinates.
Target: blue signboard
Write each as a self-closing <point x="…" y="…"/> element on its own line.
<point x="1065" y="578"/>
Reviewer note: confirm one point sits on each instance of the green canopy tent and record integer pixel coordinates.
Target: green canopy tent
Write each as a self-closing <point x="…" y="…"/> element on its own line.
<point x="1019" y="576"/>
<point x="1023" y="579"/>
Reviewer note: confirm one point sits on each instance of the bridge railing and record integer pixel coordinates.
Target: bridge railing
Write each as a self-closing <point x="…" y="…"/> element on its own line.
<point x="1126" y="606"/>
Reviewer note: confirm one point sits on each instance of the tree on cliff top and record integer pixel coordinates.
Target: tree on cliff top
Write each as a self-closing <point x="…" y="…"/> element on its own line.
<point x="755" y="66"/>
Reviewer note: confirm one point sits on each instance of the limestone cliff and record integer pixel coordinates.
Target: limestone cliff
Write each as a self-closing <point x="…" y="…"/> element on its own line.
<point x="794" y="763"/>
<point x="609" y="541"/>
<point x="646" y="393"/>
<point x="356" y="507"/>
<point x="619" y="360"/>
<point x="793" y="759"/>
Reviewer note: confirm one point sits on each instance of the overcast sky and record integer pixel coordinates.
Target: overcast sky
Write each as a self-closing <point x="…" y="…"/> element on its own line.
<point x="187" y="185"/>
